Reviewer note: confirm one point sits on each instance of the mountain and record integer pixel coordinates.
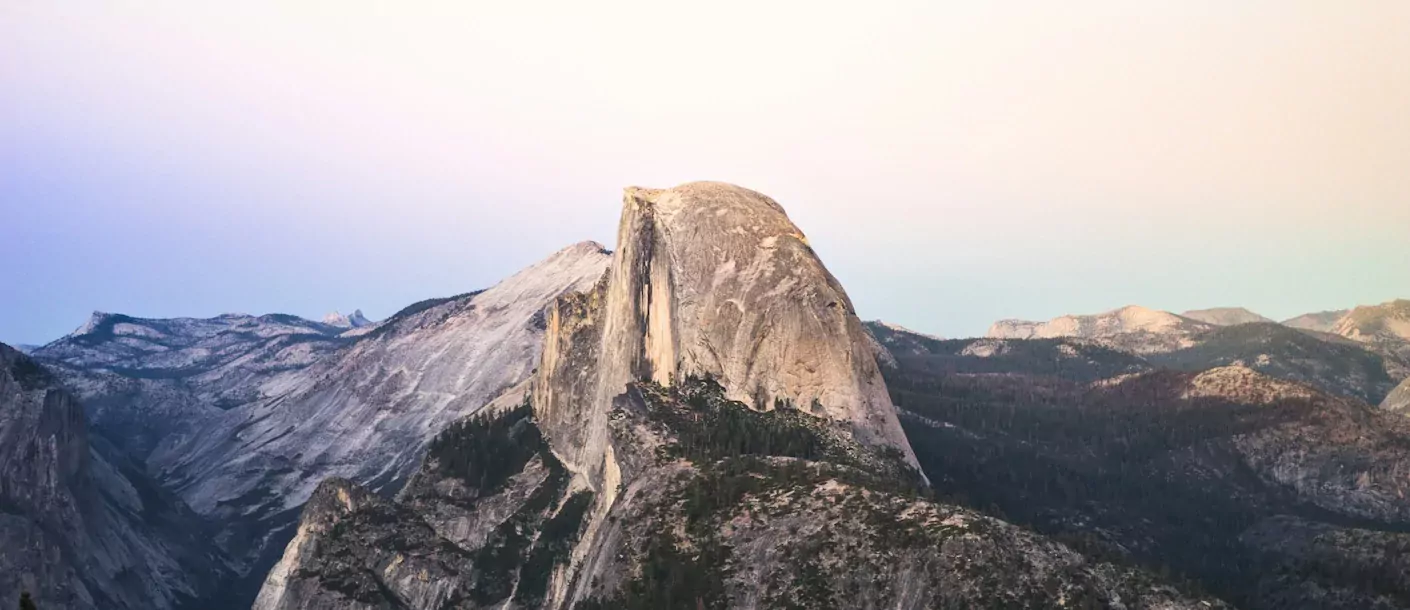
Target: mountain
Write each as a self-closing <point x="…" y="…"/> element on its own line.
<point x="80" y="526"/>
<point x="366" y="411"/>
<point x="25" y="349"/>
<point x="1266" y="492"/>
<point x="1329" y="362"/>
<point x="1322" y="321"/>
<point x="1225" y="316"/>
<point x="1133" y="328"/>
<point x="1399" y="399"/>
<point x="143" y="380"/>
<point x="1386" y="326"/>
<point x="1063" y="357"/>
<point x="356" y="320"/>
<point x="243" y="416"/>
<point x="1363" y="366"/>
<point x="707" y="429"/>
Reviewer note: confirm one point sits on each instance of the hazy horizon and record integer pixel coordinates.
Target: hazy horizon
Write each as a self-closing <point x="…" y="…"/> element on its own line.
<point x="952" y="164"/>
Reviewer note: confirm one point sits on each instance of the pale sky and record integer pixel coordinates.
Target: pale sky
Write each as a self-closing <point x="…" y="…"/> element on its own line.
<point x="953" y="163"/>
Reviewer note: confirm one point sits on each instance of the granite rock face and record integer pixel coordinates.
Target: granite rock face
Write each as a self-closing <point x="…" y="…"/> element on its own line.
<point x="710" y="279"/>
<point x="80" y="527"/>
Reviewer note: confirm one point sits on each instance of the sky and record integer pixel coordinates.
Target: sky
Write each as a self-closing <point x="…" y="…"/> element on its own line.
<point x="953" y="163"/>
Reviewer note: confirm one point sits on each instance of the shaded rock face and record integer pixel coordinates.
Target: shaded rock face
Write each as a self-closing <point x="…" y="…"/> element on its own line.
<point x="1225" y="316"/>
<point x="1176" y="470"/>
<point x="656" y="469"/>
<point x="489" y="500"/>
<point x="80" y="528"/>
<point x="710" y="279"/>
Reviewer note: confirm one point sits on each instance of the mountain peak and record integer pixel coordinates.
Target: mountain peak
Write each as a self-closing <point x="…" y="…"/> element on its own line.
<point x="696" y="288"/>
<point x="338" y="320"/>
<point x="94" y="321"/>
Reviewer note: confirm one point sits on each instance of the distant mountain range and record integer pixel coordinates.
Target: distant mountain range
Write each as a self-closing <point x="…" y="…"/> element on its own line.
<point x="1270" y="493"/>
<point x="700" y="420"/>
<point x="1363" y="353"/>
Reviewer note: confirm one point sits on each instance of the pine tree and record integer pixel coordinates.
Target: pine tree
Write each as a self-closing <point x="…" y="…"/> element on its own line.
<point x="25" y="602"/>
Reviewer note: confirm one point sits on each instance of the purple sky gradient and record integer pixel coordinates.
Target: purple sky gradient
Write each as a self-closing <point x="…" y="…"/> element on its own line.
<point x="953" y="164"/>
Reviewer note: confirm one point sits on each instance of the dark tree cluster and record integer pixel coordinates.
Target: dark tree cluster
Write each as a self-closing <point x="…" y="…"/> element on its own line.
<point x="485" y="450"/>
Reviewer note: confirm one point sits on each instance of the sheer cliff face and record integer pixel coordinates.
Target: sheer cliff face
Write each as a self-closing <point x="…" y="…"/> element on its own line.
<point x="711" y="279"/>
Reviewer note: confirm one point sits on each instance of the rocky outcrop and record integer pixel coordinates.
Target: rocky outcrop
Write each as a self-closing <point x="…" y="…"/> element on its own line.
<point x="1322" y="321"/>
<point x="1135" y="329"/>
<point x="80" y="528"/>
<point x="1386" y="326"/>
<point x="708" y="430"/>
<point x="1225" y="316"/>
<point x="1399" y="399"/>
<point x="355" y="320"/>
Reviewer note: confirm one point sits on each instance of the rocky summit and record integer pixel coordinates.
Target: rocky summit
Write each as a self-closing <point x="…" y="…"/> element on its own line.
<point x="708" y="428"/>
